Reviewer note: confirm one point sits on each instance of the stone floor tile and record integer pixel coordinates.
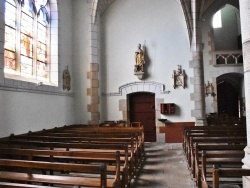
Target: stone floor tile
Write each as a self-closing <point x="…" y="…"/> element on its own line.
<point x="164" y="166"/>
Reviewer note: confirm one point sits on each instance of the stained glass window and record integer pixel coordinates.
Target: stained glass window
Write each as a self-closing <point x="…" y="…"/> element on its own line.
<point x="26" y="38"/>
<point x="10" y="35"/>
<point x="27" y="21"/>
<point x="42" y="68"/>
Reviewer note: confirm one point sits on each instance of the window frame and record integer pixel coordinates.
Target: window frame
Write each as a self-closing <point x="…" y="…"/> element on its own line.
<point x="52" y="71"/>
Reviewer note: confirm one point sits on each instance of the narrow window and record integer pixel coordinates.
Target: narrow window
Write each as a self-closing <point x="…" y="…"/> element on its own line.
<point x="26" y="42"/>
<point x="41" y="48"/>
<point x="10" y="36"/>
<point x="217" y="20"/>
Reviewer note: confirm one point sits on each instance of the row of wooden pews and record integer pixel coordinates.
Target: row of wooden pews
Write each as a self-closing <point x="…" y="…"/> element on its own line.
<point x="214" y="155"/>
<point x="73" y="155"/>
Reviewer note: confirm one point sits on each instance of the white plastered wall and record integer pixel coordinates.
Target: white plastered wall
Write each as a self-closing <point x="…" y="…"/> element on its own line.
<point x="24" y="107"/>
<point x="211" y="72"/>
<point x="160" y="27"/>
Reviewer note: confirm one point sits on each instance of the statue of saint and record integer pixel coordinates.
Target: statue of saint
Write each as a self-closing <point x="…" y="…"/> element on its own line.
<point x="139" y="59"/>
<point x="66" y="79"/>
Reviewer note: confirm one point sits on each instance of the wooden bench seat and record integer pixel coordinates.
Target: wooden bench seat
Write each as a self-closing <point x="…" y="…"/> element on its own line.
<point x="68" y="141"/>
<point x="29" y="176"/>
<point x="211" y="133"/>
<point x="209" y="130"/>
<point x="127" y="159"/>
<point x="230" y="176"/>
<point x="113" y="160"/>
<point x="227" y="140"/>
<point x="22" y="185"/>
<point x="225" y="159"/>
<point x="198" y="147"/>
<point x="130" y="141"/>
<point x="91" y="136"/>
<point x="214" y="133"/>
<point x="222" y="145"/>
<point x="132" y="160"/>
<point x="196" y="159"/>
<point x="139" y="131"/>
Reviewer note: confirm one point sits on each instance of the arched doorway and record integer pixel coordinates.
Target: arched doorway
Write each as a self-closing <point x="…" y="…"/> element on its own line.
<point x="229" y="93"/>
<point x="227" y="100"/>
<point x="142" y="109"/>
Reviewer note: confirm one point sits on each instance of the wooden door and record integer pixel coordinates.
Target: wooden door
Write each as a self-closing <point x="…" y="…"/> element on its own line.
<point x="227" y="100"/>
<point x="142" y="109"/>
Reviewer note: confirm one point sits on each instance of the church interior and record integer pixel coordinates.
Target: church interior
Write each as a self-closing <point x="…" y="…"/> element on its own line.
<point x="159" y="72"/>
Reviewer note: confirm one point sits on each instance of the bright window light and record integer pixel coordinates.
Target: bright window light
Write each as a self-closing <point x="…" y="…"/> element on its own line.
<point x="217" y="20"/>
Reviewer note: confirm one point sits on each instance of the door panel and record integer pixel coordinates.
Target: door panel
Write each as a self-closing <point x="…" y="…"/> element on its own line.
<point x="227" y="100"/>
<point x="142" y="110"/>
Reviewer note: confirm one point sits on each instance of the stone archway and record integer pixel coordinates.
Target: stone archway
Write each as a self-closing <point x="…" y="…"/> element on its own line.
<point x="229" y="92"/>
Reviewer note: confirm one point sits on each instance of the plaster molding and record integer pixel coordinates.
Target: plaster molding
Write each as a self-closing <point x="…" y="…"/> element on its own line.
<point x="132" y="87"/>
<point x="47" y="90"/>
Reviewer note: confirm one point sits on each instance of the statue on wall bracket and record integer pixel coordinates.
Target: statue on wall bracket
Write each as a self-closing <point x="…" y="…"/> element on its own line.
<point x="139" y="62"/>
<point x="66" y="79"/>
<point x="209" y="89"/>
<point x="178" y="77"/>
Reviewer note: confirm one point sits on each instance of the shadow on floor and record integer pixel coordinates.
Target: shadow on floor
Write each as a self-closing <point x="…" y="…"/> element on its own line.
<point x="163" y="167"/>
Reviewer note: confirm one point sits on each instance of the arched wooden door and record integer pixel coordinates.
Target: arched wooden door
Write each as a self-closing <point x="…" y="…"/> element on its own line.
<point x="227" y="100"/>
<point x="142" y="109"/>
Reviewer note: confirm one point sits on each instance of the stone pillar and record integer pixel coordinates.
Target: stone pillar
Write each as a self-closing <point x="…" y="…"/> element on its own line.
<point x="245" y="33"/>
<point x="93" y="73"/>
<point x="93" y="93"/>
<point x="197" y="64"/>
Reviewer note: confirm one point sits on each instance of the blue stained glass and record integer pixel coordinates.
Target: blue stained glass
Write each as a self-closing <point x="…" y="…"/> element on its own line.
<point x="29" y="5"/>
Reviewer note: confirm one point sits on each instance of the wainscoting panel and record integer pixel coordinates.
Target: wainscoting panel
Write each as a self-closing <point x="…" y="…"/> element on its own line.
<point x="173" y="131"/>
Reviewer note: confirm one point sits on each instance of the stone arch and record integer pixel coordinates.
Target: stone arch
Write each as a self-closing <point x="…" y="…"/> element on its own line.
<point x="153" y="87"/>
<point x="218" y="74"/>
<point x="147" y="87"/>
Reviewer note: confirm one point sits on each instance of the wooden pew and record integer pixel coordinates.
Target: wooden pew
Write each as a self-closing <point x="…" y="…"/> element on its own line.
<point x="21" y="185"/>
<point x="216" y="133"/>
<point x="131" y="141"/>
<point x="113" y="159"/>
<point x="212" y="140"/>
<point x="114" y="130"/>
<point x="103" y="142"/>
<point x="196" y="161"/>
<point x="111" y="132"/>
<point x="225" y="159"/>
<point x="127" y="158"/>
<point x="30" y="168"/>
<point x="188" y="132"/>
<point x="200" y="129"/>
<point x="233" y="175"/>
<point x="100" y="138"/>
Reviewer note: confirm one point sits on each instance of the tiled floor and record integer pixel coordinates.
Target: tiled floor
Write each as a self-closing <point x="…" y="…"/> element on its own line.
<point x="165" y="166"/>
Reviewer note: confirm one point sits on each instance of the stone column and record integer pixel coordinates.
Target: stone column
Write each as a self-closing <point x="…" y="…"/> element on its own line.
<point x="93" y="73"/>
<point x="197" y="64"/>
<point x="245" y="33"/>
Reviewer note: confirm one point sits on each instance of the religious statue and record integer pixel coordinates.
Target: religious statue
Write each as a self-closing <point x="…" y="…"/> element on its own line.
<point x="178" y="77"/>
<point x="209" y="89"/>
<point x="139" y="59"/>
<point x="66" y="79"/>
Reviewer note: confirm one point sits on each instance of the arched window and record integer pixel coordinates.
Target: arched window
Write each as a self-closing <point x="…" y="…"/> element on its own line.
<point x="27" y="39"/>
<point x="217" y="20"/>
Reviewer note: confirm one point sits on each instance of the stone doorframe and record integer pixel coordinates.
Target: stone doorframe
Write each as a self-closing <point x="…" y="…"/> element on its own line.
<point x="150" y="87"/>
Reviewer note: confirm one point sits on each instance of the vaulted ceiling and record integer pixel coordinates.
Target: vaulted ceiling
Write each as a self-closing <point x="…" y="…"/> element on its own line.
<point x="103" y="5"/>
<point x="202" y="5"/>
<point x="198" y="9"/>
